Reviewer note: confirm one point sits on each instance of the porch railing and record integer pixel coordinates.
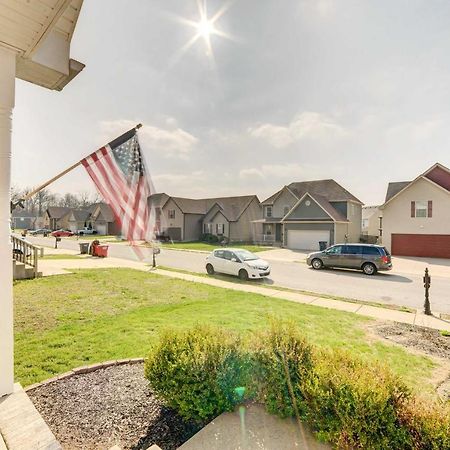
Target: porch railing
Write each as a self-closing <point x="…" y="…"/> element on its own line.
<point x="25" y="252"/>
<point x="267" y="239"/>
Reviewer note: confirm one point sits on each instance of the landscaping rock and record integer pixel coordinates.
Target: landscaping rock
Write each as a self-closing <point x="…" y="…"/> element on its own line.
<point x="110" y="406"/>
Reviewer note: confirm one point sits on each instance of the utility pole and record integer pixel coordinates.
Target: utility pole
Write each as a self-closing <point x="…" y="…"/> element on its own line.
<point x="427" y="284"/>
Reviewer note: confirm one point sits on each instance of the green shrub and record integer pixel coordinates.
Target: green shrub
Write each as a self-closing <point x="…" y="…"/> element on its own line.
<point x="196" y="372"/>
<point x="428" y="423"/>
<point x="282" y="360"/>
<point x="354" y="404"/>
<point x="209" y="238"/>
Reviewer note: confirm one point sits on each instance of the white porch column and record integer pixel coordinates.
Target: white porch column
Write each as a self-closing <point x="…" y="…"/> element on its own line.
<point x="7" y="85"/>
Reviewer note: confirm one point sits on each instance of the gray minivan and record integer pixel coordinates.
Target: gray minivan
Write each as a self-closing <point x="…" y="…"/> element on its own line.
<point x="366" y="257"/>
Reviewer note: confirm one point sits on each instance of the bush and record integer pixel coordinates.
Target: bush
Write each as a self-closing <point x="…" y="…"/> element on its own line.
<point x="428" y="423"/>
<point x="347" y="401"/>
<point x="196" y="372"/>
<point x="209" y="238"/>
<point x="354" y="404"/>
<point x="282" y="360"/>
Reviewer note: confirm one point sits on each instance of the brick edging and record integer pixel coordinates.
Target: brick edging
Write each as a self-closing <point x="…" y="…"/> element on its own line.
<point x="85" y="369"/>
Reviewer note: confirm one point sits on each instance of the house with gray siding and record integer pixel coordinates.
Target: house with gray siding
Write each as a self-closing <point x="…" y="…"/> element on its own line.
<point x="187" y="219"/>
<point x="302" y="214"/>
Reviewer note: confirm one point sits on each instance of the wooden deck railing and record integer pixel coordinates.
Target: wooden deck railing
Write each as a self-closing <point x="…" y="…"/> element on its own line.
<point x="25" y="252"/>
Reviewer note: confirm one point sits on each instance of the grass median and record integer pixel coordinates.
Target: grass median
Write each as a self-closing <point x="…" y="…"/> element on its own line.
<point x="90" y="316"/>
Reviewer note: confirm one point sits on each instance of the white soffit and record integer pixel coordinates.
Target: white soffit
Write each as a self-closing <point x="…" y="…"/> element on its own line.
<point x="41" y="31"/>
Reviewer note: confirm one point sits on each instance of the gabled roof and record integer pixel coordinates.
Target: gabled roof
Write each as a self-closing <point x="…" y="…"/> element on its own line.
<point x="80" y="215"/>
<point x="56" y="212"/>
<point x="394" y="188"/>
<point x="437" y="174"/>
<point x="105" y="211"/>
<point x="323" y="203"/>
<point x="158" y="200"/>
<point x="231" y="207"/>
<point x="272" y="198"/>
<point x="329" y="189"/>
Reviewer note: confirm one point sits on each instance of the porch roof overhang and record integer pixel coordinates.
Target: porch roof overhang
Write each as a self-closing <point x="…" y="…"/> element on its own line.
<point x="40" y="32"/>
<point x="267" y="220"/>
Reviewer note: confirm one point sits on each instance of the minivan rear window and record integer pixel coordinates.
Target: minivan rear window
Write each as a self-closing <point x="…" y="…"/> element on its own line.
<point x="371" y="251"/>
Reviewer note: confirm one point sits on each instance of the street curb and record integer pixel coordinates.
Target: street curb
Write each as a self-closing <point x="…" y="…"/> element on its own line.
<point x="83" y="370"/>
<point x="185" y="250"/>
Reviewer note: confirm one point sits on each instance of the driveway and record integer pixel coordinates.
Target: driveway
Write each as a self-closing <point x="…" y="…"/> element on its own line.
<point x="402" y="286"/>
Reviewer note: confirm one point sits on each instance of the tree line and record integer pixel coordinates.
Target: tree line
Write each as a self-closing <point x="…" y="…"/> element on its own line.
<point x="38" y="203"/>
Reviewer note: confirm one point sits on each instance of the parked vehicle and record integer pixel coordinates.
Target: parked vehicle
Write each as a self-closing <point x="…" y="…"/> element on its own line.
<point x="86" y="230"/>
<point x="236" y="261"/>
<point x="62" y="233"/>
<point x="40" y="231"/>
<point x="365" y="257"/>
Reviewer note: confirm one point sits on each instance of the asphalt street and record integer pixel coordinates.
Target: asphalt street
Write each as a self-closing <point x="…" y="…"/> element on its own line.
<point x="404" y="289"/>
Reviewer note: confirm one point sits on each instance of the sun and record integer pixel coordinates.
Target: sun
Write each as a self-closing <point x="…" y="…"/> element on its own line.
<point x="205" y="27"/>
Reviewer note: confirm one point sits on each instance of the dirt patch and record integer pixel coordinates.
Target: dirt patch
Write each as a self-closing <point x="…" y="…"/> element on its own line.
<point x="107" y="407"/>
<point x="426" y="340"/>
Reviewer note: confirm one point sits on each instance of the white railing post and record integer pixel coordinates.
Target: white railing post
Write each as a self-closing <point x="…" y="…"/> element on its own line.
<point x="7" y="86"/>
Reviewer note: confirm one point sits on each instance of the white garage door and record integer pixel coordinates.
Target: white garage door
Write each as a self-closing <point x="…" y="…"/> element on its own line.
<point x="306" y="239"/>
<point x="101" y="229"/>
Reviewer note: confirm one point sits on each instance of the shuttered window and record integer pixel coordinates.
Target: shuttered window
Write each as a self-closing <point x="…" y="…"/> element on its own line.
<point x="422" y="209"/>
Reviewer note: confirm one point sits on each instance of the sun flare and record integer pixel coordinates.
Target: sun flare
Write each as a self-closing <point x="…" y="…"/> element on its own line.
<point x="205" y="27"/>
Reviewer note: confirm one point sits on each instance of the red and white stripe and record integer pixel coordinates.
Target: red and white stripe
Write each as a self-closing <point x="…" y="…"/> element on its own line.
<point x="127" y="199"/>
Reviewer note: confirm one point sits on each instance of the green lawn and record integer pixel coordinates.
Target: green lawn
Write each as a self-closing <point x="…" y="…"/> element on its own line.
<point x="90" y="316"/>
<point x="210" y="247"/>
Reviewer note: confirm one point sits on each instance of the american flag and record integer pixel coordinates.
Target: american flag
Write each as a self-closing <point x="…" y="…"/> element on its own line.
<point x="118" y="171"/>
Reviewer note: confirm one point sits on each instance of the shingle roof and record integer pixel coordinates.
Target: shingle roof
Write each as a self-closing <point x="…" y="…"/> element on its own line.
<point x="158" y="200"/>
<point x="394" y="188"/>
<point x="329" y="208"/>
<point x="329" y="189"/>
<point x="231" y="207"/>
<point x="271" y="199"/>
<point x="56" y="212"/>
<point x="80" y="215"/>
<point x="105" y="211"/>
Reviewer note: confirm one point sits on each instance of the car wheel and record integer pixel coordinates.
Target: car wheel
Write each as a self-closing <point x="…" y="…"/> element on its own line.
<point x="243" y="275"/>
<point x="369" y="269"/>
<point x="210" y="269"/>
<point x="317" y="263"/>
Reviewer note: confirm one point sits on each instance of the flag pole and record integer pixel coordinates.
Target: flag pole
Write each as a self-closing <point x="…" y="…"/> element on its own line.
<point x="64" y="172"/>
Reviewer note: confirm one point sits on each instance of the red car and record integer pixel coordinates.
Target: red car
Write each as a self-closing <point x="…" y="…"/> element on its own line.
<point x="62" y="233"/>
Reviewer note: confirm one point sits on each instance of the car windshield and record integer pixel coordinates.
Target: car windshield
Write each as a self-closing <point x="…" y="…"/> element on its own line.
<point x="245" y="255"/>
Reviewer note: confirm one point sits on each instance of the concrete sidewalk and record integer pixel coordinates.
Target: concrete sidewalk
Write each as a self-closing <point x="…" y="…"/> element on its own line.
<point x="60" y="266"/>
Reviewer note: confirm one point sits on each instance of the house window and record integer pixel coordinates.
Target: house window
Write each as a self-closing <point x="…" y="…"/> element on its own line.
<point x="365" y="223"/>
<point x="220" y="227"/>
<point x="421" y="209"/>
<point x="268" y="211"/>
<point x="171" y="214"/>
<point x="207" y="228"/>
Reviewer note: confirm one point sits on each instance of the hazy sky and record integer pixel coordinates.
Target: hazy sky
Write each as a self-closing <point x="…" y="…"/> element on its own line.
<point x="358" y="91"/>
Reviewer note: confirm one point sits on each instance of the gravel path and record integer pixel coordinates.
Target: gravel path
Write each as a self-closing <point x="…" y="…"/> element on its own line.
<point x="111" y="406"/>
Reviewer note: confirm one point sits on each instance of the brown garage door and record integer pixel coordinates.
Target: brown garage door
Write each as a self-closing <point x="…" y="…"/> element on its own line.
<point x="174" y="233"/>
<point x="431" y="245"/>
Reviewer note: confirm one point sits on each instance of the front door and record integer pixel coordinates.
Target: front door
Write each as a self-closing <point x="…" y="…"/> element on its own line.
<point x="278" y="232"/>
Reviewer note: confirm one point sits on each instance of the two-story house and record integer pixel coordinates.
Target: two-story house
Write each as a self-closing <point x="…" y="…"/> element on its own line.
<point x="187" y="219"/>
<point x="416" y="215"/>
<point x="302" y="214"/>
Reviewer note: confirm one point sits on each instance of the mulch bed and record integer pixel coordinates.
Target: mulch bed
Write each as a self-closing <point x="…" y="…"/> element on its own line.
<point x="424" y="339"/>
<point x="107" y="407"/>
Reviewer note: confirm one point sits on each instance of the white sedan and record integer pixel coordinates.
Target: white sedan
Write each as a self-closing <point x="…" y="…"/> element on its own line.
<point x="236" y="261"/>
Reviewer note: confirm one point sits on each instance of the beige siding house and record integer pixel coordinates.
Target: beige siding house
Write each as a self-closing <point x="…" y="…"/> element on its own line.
<point x="185" y="219"/>
<point x="416" y="215"/>
<point x="371" y="223"/>
<point x="302" y="214"/>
